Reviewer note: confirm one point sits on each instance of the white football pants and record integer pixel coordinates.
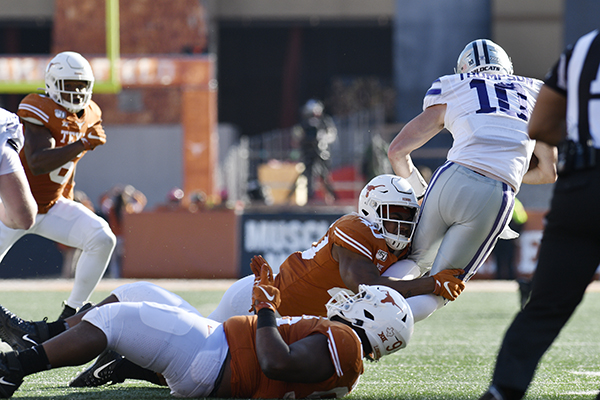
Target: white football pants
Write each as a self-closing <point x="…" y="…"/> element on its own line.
<point x="236" y="300"/>
<point x="72" y="224"/>
<point x="462" y="217"/>
<point x="186" y="348"/>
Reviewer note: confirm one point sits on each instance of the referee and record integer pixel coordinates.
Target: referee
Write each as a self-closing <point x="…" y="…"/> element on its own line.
<point x="570" y="248"/>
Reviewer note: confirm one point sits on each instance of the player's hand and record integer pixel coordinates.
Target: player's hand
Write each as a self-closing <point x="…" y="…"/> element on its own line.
<point x="93" y="137"/>
<point x="264" y="294"/>
<point x="256" y="266"/>
<point x="447" y="284"/>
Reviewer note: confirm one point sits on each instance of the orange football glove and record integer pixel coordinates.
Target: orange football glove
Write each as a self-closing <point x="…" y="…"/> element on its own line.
<point x="93" y="137"/>
<point x="256" y="266"/>
<point x="447" y="284"/>
<point x="264" y="294"/>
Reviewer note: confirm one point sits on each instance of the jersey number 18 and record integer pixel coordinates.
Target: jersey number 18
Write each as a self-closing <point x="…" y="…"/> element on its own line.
<point x="501" y="98"/>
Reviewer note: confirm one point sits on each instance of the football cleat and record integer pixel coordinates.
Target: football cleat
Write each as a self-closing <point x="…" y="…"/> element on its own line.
<point x="101" y="372"/>
<point x="11" y="374"/>
<point x="69" y="311"/>
<point x="492" y="394"/>
<point x="21" y="334"/>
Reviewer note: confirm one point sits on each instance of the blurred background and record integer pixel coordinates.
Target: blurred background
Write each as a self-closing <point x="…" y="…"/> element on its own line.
<point x="248" y="126"/>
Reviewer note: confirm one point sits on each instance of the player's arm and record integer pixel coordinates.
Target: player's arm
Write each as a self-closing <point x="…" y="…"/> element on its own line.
<point x="547" y="127"/>
<point x="18" y="208"/>
<point x="69" y="190"/>
<point x="414" y="135"/>
<point x="304" y="361"/>
<point x="357" y="269"/>
<point x="547" y="122"/>
<point x="543" y="165"/>
<point x="41" y="152"/>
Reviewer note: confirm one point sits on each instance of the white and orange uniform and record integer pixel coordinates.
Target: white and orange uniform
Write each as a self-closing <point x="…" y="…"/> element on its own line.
<point x="305" y="277"/>
<point x="248" y="381"/>
<point x="160" y="331"/>
<point x="59" y="217"/>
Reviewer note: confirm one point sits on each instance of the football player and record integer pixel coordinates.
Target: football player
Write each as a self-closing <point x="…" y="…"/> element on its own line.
<point x="17" y="205"/>
<point x="470" y="198"/>
<point x="244" y="357"/>
<point x="60" y="127"/>
<point x="358" y="248"/>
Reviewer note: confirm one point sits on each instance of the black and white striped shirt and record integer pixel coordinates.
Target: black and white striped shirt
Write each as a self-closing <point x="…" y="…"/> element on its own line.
<point x="577" y="71"/>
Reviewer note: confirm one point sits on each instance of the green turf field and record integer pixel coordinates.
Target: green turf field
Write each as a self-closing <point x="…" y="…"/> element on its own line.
<point x="450" y="356"/>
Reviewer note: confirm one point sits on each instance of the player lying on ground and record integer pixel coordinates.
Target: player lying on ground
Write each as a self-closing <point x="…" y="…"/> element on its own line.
<point x="357" y="249"/>
<point x="246" y="356"/>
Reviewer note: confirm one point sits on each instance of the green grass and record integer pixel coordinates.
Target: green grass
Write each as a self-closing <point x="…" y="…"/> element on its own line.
<point x="450" y="356"/>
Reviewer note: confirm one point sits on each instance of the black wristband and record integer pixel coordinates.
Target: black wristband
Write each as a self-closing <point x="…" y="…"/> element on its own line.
<point x="266" y="317"/>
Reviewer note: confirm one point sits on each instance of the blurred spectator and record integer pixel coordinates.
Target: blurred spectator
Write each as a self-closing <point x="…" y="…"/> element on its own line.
<point x="505" y="250"/>
<point x="315" y="133"/>
<point x="375" y="160"/>
<point x="116" y="202"/>
<point x="71" y="255"/>
<point x="198" y="201"/>
<point x="174" y="201"/>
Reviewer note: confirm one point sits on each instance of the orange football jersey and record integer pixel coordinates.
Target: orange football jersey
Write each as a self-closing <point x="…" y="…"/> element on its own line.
<point x="66" y="127"/>
<point x="305" y="277"/>
<point x="248" y="380"/>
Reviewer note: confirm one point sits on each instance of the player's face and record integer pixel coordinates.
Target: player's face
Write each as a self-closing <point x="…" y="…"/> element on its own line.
<point x="77" y="87"/>
<point x="398" y="213"/>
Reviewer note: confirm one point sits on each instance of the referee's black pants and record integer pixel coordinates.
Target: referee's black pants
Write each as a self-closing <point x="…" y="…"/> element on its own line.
<point x="569" y="256"/>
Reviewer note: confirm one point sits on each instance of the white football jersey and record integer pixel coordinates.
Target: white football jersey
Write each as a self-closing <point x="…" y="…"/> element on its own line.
<point x="487" y="115"/>
<point x="11" y="128"/>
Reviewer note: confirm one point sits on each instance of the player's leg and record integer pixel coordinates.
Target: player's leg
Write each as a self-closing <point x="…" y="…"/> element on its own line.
<point x="569" y="257"/>
<point x="478" y="209"/>
<point x="421" y="306"/>
<point x="463" y="216"/>
<point x="431" y="227"/>
<point x="146" y="291"/>
<point x="112" y="366"/>
<point x="405" y="270"/>
<point x="8" y="236"/>
<point x="21" y="334"/>
<point x="236" y="300"/>
<point x="186" y="348"/>
<point x="76" y="347"/>
<point x="72" y="224"/>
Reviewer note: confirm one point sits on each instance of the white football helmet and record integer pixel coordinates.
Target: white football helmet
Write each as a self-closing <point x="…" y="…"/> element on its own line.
<point x="484" y="56"/>
<point x="381" y="312"/>
<point x="376" y="202"/>
<point x="65" y="66"/>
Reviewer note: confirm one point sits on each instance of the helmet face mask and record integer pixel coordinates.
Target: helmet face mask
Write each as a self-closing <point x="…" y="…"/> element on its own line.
<point x="380" y="312"/>
<point x="69" y="81"/>
<point x="390" y="204"/>
<point x="483" y="56"/>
